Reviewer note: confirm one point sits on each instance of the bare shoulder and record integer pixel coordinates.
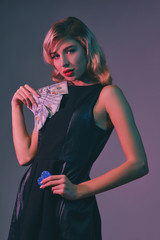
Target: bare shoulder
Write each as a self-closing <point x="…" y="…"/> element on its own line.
<point x="111" y="91"/>
<point x="110" y="95"/>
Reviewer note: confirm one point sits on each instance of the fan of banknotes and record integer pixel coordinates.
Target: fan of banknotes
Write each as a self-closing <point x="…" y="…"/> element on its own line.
<point x="48" y="103"/>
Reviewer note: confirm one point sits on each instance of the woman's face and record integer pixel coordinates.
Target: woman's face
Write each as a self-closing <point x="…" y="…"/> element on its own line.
<point x="69" y="59"/>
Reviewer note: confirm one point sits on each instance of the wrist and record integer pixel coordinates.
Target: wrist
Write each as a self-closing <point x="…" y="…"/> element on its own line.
<point x="16" y="105"/>
<point x="82" y="191"/>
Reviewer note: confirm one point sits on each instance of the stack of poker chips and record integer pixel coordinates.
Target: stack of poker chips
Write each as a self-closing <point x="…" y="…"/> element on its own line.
<point x="48" y="103"/>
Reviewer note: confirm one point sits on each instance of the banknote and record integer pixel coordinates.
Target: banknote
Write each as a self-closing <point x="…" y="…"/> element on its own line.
<point x="48" y="103"/>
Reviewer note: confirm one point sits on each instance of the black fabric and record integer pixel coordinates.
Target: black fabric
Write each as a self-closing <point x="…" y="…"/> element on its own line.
<point x="68" y="143"/>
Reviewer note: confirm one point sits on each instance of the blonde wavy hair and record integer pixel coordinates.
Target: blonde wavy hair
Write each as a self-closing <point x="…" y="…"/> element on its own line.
<point x="74" y="28"/>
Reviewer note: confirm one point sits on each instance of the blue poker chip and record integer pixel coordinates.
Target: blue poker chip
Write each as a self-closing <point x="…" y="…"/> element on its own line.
<point x="39" y="180"/>
<point x="44" y="175"/>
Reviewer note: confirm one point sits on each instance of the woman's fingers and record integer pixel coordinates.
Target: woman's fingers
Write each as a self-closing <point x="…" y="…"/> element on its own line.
<point x="24" y="95"/>
<point x="21" y="98"/>
<point x="54" y="177"/>
<point x="51" y="183"/>
<point x="30" y="89"/>
<point x="60" y="184"/>
<point x="53" y="180"/>
<point x="55" y="188"/>
<point x="27" y="94"/>
<point x="58" y="191"/>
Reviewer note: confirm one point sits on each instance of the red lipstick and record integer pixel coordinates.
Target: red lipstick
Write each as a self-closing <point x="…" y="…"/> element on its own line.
<point x="68" y="72"/>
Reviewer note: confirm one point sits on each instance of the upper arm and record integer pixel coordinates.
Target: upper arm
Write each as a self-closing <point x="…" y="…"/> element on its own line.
<point x="32" y="146"/>
<point x="122" y="118"/>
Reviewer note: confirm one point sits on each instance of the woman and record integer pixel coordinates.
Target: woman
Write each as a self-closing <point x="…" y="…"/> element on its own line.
<point x="67" y="144"/>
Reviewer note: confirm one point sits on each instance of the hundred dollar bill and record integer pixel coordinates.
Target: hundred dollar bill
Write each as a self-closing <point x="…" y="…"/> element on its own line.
<point x="48" y="103"/>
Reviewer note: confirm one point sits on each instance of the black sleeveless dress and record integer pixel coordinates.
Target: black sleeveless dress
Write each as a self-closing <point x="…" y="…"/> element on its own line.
<point x="68" y="143"/>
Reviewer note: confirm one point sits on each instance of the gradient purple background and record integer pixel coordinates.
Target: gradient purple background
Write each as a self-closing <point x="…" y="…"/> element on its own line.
<point x="129" y="33"/>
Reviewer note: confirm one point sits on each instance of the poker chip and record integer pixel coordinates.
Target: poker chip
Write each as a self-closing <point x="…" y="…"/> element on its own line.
<point x="44" y="175"/>
<point x="39" y="180"/>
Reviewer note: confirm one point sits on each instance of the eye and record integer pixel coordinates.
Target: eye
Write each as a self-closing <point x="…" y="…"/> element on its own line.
<point x="71" y="50"/>
<point x="54" y="56"/>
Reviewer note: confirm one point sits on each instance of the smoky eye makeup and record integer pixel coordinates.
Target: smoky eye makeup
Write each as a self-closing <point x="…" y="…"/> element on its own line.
<point x="54" y="55"/>
<point x="69" y="49"/>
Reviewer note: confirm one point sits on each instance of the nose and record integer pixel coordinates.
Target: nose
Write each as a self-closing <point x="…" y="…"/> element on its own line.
<point x="64" y="61"/>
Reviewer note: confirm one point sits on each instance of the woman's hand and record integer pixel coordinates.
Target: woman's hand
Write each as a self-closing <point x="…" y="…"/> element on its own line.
<point x="24" y="96"/>
<point x="61" y="185"/>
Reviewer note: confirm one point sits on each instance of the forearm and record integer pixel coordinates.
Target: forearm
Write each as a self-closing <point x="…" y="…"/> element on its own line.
<point x="123" y="174"/>
<point x="21" y="138"/>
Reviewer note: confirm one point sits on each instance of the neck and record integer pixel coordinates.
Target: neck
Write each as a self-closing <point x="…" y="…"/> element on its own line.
<point x="84" y="82"/>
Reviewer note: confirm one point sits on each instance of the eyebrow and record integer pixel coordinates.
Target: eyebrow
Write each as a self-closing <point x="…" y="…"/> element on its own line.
<point x="70" y="46"/>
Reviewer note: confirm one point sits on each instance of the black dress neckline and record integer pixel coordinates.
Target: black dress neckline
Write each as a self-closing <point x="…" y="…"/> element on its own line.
<point x="82" y="86"/>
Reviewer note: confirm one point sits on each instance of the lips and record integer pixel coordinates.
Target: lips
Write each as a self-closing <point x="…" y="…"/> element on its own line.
<point x="68" y="72"/>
